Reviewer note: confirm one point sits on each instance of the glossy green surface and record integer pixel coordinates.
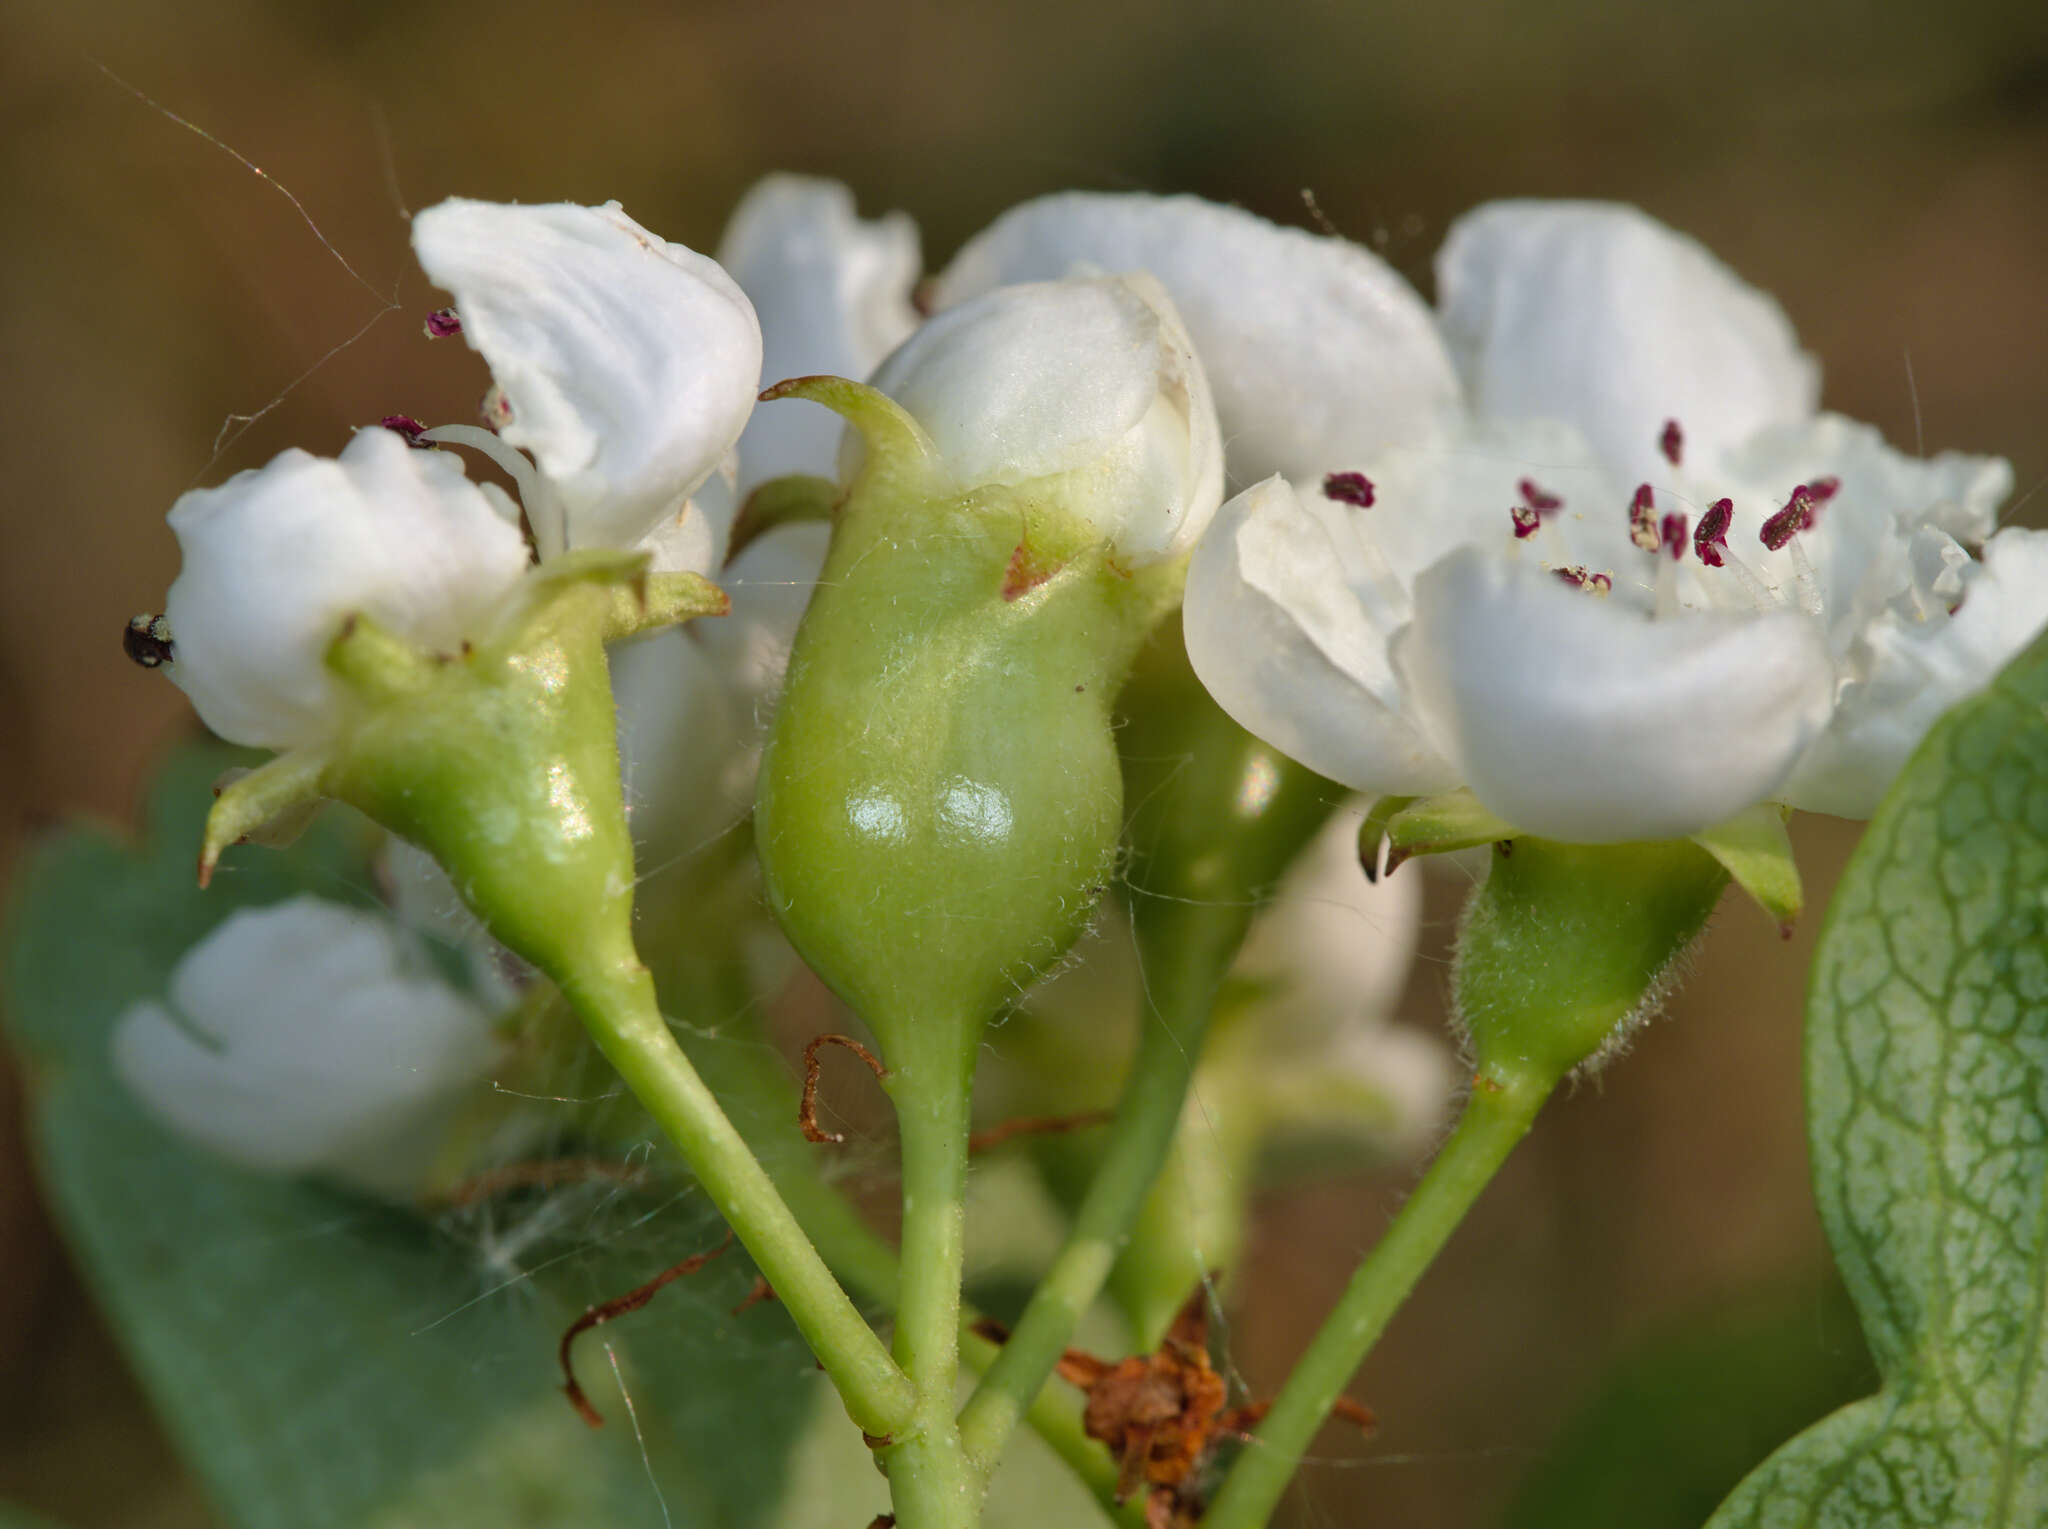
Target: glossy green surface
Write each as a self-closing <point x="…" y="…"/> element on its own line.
<point x="941" y="799"/>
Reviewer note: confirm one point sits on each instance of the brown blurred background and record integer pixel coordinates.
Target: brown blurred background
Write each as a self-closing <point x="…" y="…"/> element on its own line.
<point x="1883" y="168"/>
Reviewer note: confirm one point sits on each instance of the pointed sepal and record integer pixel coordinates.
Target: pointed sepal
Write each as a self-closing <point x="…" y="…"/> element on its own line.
<point x="1754" y="848"/>
<point x="1435" y="825"/>
<point x="898" y="447"/>
<point x="268" y="805"/>
<point x="781" y="502"/>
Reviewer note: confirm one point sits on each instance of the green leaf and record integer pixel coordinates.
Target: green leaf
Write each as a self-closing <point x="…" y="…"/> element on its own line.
<point x="325" y="1361"/>
<point x="1687" y="1414"/>
<point x="1927" y="1099"/>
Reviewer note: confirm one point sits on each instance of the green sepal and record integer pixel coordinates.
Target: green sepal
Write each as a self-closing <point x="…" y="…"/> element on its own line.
<point x="1372" y="833"/>
<point x="1565" y="947"/>
<point x="782" y="501"/>
<point x="901" y="457"/>
<point x="1754" y="848"/>
<point x="1435" y="825"/>
<point x="263" y="803"/>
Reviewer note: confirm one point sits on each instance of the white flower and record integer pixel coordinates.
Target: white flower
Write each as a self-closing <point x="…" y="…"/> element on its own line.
<point x="1317" y="350"/>
<point x="308" y="1038"/>
<point x="1088" y="389"/>
<point x="1640" y="587"/>
<point x="277" y="557"/>
<point x="833" y="294"/>
<point x="627" y="365"/>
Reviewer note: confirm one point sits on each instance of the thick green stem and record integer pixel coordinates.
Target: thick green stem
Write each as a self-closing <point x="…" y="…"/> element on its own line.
<point x="930" y="1483"/>
<point x="1155" y="1091"/>
<point x="1496" y="1117"/>
<point x="626" y="1022"/>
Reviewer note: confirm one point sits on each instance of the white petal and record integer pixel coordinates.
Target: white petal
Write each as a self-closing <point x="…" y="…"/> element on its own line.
<point x="1090" y="381"/>
<point x="1917" y="668"/>
<point x="1286" y="646"/>
<point x="1459" y="484"/>
<point x="695" y="705"/>
<point x="833" y="295"/>
<point x="300" y="1038"/>
<point x="1577" y="718"/>
<point x="770" y="584"/>
<point x="1334" y="948"/>
<point x="630" y="364"/>
<point x="1858" y="547"/>
<point x="1318" y="351"/>
<point x="1598" y="315"/>
<point x="679" y="735"/>
<point x="278" y="556"/>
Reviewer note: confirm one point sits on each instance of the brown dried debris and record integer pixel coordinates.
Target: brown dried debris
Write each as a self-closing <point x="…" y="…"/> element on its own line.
<point x="620" y="1306"/>
<point x="807" y="1110"/>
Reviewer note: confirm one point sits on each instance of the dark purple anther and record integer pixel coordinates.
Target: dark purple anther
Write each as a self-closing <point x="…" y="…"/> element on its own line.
<point x="1349" y="488"/>
<point x="1671" y="441"/>
<point x="1821" y="490"/>
<point x="1642" y="519"/>
<point x="1674" y="536"/>
<point x="1536" y="499"/>
<point x="1790" y="521"/>
<point x="1599" y="583"/>
<point x="410" y="428"/>
<point x="1527" y="522"/>
<point x="1576" y="577"/>
<point x="443" y="322"/>
<point x="1710" y="540"/>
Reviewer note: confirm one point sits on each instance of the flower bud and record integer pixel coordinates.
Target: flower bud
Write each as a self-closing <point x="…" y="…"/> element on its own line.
<point x="1087" y="390"/>
<point x="276" y="559"/>
<point x="308" y="1038"/>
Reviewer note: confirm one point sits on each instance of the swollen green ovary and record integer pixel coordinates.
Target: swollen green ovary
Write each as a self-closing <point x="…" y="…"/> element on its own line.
<point x="941" y="799"/>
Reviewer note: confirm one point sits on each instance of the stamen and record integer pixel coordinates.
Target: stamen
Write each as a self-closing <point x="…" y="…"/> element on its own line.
<point x="413" y="431"/>
<point x="1579" y="578"/>
<point x="1821" y="490"/>
<point x="545" y="516"/>
<point x="1809" y="582"/>
<point x="443" y="322"/>
<point x="1671" y="441"/>
<point x="1796" y="516"/>
<point x="1537" y="500"/>
<point x="1674" y="536"/>
<point x="1527" y="521"/>
<point x="1710" y="540"/>
<point x="1349" y="488"/>
<point x="1642" y="519"/>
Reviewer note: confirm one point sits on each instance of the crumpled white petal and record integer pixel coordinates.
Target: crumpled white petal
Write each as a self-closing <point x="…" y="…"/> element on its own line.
<point x="1093" y="381"/>
<point x="1332" y="948"/>
<point x="1318" y="351"/>
<point x="1917" y="667"/>
<point x="1285" y="643"/>
<point x="1597" y="315"/>
<point x="307" y="1038"/>
<point x="629" y="364"/>
<point x="278" y="556"/>
<point x="833" y="295"/>
<point x="1577" y="718"/>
